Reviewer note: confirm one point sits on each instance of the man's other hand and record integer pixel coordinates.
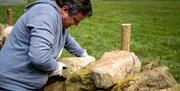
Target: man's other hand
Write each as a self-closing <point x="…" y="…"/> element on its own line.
<point x="59" y="69"/>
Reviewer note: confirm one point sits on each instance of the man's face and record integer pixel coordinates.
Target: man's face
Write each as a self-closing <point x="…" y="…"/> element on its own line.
<point x="68" y="20"/>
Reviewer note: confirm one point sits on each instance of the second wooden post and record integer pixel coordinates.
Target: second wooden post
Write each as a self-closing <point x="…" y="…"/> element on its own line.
<point x="10" y="17"/>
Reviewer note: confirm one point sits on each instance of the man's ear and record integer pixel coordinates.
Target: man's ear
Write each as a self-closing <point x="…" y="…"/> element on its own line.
<point x="64" y="10"/>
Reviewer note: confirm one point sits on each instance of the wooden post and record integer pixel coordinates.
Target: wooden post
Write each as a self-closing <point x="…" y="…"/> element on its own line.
<point x="9" y="17"/>
<point x="125" y="36"/>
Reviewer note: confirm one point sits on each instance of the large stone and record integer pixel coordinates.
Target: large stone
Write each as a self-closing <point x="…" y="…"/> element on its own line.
<point x="4" y="33"/>
<point x="1" y="35"/>
<point x="78" y="76"/>
<point x="153" y="79"/>
<point x="7" y="30"/>
<point x="80" y="80"/>
<point x="55" y="83"/>
<point x="76" y="63"/>
<point x="113" y="67"/>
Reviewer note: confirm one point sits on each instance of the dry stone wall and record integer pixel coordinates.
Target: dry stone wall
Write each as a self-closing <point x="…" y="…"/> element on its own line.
<point x="115" y="71"/>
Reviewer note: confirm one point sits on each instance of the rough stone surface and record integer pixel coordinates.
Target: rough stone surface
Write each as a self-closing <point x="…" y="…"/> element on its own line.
<point x="148" y="80"/>
<point x="76" y="63"/>
<point x="113" y="67"/>
<point x="78" y="76"/>
<point x="80" y="81"/>
<point x="4" y="33"/>
<point x="54" y="84"/>
<point x="1" y="35"/>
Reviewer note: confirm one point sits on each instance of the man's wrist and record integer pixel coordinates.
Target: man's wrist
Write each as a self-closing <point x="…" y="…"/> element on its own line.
<point x="59" y="69"/>
<point x="84" y="54"/>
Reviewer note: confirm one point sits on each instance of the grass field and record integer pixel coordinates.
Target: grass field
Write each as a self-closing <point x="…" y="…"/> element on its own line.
<point x="155" y="29"/>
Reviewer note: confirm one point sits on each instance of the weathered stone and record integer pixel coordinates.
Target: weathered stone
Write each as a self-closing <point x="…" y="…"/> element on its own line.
<point x="151" y="65"/>
<point x="1" y="35"/>
<point x="78" y="76"/>
<point x="80" y="80"/>
<point x="149" y="80"/>
<point x="76" y="63"/>
<point x="113" y="67"/>
<point x="7" y="30"/>
<point x="55" y="83"/>
<point x="4" y="33"/>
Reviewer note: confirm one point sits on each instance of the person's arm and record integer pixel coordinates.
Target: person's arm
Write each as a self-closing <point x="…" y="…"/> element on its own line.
<point x="41" y="41"/>
<point x="73" y="46"/>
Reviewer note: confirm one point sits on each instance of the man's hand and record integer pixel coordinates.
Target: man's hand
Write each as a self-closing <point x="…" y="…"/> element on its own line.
<point x="85" y="54"/>
<point x="88" y="57"/>
<point x="58" y="71"/>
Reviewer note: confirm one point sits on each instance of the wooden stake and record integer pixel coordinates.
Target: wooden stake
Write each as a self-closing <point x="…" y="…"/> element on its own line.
<point x="125" y="36"/>
<point x="9" y="17"/>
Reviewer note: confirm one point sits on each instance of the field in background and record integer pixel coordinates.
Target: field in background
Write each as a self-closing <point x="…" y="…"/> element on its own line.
<point x="155" y="29"/>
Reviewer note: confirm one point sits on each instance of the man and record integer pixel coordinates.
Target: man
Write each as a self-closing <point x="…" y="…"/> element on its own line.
<point x="30" y="53"/>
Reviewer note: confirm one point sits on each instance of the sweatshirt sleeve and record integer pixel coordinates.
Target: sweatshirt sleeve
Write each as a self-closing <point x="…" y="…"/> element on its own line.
<point x="73" y="46"/>
<point x="41" y="41"/>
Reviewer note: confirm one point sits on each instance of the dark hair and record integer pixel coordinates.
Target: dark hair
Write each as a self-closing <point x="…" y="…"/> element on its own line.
<point x="76" y="5"/>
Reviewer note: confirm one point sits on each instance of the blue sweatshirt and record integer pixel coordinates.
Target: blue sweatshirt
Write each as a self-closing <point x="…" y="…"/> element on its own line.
<point x="30" y="52"/>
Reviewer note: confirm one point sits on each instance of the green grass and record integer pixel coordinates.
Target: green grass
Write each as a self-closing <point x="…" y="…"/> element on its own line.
<point x="155" y="29"/>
